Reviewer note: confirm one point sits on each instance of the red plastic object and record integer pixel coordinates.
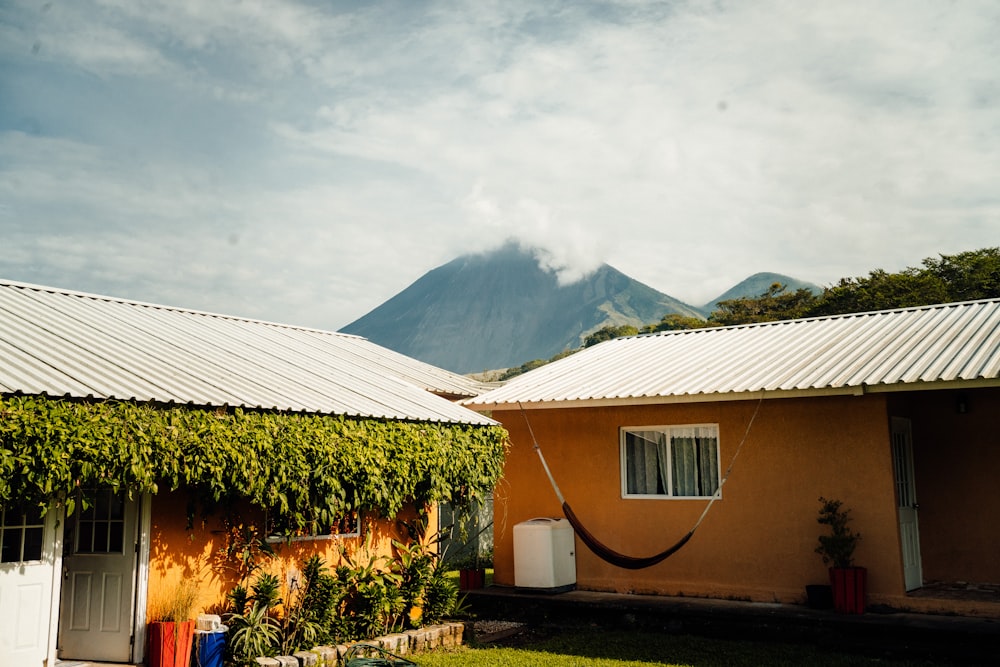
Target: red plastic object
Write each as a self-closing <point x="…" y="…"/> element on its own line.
<point x="169" y="644"/>
<point x="850" y="588"/>
<point x="470" y="579"/>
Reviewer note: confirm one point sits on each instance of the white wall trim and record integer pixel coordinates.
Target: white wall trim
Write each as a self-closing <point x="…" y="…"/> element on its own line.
<point x="55" y="520"/>
<point x="142" y="578"/>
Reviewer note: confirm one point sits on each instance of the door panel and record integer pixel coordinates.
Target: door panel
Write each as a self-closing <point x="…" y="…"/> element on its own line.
<point x="99" y="587"/>
<point x="28" y="563"/>
<point x="906" y="502"/>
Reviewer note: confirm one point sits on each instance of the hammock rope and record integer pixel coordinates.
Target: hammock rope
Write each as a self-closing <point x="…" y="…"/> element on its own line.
<point x="605" y="552"/>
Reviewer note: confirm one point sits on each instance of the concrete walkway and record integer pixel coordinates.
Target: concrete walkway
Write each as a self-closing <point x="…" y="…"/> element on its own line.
<point x="955" y="638"/>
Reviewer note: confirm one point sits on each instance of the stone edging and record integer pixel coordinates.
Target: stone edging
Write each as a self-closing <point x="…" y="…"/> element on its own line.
<point x="405" y="643"/>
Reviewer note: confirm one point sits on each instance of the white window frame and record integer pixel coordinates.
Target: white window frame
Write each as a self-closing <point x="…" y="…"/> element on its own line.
<point x="274" y="539"/>
<point x="667" y="429"/>
<point x="22" y="529"/>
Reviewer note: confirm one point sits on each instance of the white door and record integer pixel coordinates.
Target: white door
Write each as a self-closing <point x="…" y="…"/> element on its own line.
<point x="29" y="566"/>
<point x="906" y="501"/>
<point x="95" y="622"/>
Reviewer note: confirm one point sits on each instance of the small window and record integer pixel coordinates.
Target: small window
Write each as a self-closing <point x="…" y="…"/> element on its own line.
<point x="100" y="528"/>
<point x="21" y="534"/>
<point x="670" y="461"/>
<point x="348" y="525"/>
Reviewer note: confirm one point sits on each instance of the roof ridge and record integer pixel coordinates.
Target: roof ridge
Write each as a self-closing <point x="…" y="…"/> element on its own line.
<point x="4" y="282"/>
<point x="816" y="318"/>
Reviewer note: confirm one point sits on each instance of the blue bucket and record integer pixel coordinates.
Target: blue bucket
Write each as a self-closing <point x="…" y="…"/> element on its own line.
<point x="211" y="648"/>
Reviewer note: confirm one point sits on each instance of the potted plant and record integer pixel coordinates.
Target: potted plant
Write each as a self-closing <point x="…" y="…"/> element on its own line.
<point x="849" y="582"/>
<point x="171" y="627"/>
<point x="471" y="572"/>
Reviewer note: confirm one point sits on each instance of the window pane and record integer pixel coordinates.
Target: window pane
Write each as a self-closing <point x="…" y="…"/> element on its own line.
<point x="117" y="506"/>
<point x="103" y="503"/>
<point x="10" y="545"/>
<point x="85" y="540"/>
<point x="685" y="466"/>
<point x="33" y="516"/>
<point x="100" y="537"/>
<point x="645" y="463"/>
<point x="32" y="544"/>
<point x="115" y="537"/>
<point x="708" y="465"/>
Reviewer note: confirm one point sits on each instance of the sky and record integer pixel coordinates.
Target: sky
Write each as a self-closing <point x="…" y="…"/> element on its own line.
<point x="303" y="162"/>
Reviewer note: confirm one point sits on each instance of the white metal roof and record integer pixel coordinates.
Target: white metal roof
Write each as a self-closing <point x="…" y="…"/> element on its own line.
<point x="62" y="343"/>
<point x="956" y="344"/>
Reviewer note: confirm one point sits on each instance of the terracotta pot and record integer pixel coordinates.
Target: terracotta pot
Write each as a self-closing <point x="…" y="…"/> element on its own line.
<point x="169" y="644"/>
<point x="850" y="588"/>
<point x="471" y="578"/>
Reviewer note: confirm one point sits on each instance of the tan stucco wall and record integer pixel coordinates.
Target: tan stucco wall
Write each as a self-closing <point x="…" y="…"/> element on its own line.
<point x="198" y="554"/>
<point x="758" y="541"/>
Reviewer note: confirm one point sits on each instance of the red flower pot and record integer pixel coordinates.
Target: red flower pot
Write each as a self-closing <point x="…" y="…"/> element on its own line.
<point x="471" y="578"/>
<point x="169" y="644"/>
<point x="850" y="588"/>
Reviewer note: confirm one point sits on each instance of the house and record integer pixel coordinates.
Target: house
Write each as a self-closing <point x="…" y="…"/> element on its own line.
<point x="894" y="413"/>
<point x="142" y="446"/>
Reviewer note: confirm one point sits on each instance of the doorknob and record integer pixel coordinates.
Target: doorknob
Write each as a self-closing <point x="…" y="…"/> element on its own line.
<point x="916" y="506"/>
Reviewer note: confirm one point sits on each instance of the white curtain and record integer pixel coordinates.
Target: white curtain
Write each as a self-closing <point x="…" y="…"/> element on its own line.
<point x="688" y="459"/>
<point x="646" y="462"/>
<point x="695" y="461"/>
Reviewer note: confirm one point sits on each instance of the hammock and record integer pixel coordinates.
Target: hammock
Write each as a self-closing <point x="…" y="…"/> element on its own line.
<point x="606" y="553"/>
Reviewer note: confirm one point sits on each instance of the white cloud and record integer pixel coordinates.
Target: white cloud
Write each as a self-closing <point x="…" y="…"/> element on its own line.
<point x="347" y="149"/>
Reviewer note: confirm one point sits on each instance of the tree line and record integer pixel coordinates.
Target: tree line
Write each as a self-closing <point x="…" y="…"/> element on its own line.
<point x="965" y="276"/>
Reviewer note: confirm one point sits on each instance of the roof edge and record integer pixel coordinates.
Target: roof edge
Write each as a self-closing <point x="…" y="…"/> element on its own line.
<point x="737" y="396"/>
<point x="161" y="306"/>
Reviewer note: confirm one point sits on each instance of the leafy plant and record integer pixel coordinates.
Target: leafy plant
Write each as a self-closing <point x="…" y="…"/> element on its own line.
<point x="310" y="609"/>
<point x="253" y="630"/>
<point x="372" y="604"/>
<point x="252" y="633"/>
<point x="305" y="467"/>
<point x="415" y="567"/>
<point x="837" y="547"/>
<point x="440" y="596"/>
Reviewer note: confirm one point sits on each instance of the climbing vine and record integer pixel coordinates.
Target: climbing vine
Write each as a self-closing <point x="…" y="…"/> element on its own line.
<point x="305" y="467"/>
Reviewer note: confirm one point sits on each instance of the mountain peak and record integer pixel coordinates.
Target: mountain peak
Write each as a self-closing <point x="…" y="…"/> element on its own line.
<point x="758" y="284"/>
<point x="501" y="308"/>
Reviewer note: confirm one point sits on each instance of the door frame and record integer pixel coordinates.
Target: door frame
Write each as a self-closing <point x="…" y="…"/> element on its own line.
<point x="58" y="535"/>
<point x="903" y="427"/>
<point x="142" y="579"/>
<point x="140" y="572"/>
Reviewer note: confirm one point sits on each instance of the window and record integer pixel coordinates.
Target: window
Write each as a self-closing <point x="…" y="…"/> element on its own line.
<point x="21" y="535"/>
<point x="100" y="528"/>
<point x="670" y="461"/>
<point x="348" y="525"/>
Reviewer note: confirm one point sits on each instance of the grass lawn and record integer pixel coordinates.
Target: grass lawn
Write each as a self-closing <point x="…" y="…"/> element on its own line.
<point x="589" y="647"/>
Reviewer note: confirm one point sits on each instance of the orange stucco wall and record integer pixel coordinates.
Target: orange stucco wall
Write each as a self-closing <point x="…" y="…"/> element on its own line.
<point x="758" y="541"/>
<point x="198" y="554"/>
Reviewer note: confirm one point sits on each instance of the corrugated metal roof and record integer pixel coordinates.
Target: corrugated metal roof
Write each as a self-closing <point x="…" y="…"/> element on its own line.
<point x="931" y="346"/>
<point x="62" y="343"/>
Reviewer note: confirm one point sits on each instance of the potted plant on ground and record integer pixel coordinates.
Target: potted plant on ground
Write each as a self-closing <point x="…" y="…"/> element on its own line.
<point x="849" y="582"/>
<point x="171" y="627"/>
